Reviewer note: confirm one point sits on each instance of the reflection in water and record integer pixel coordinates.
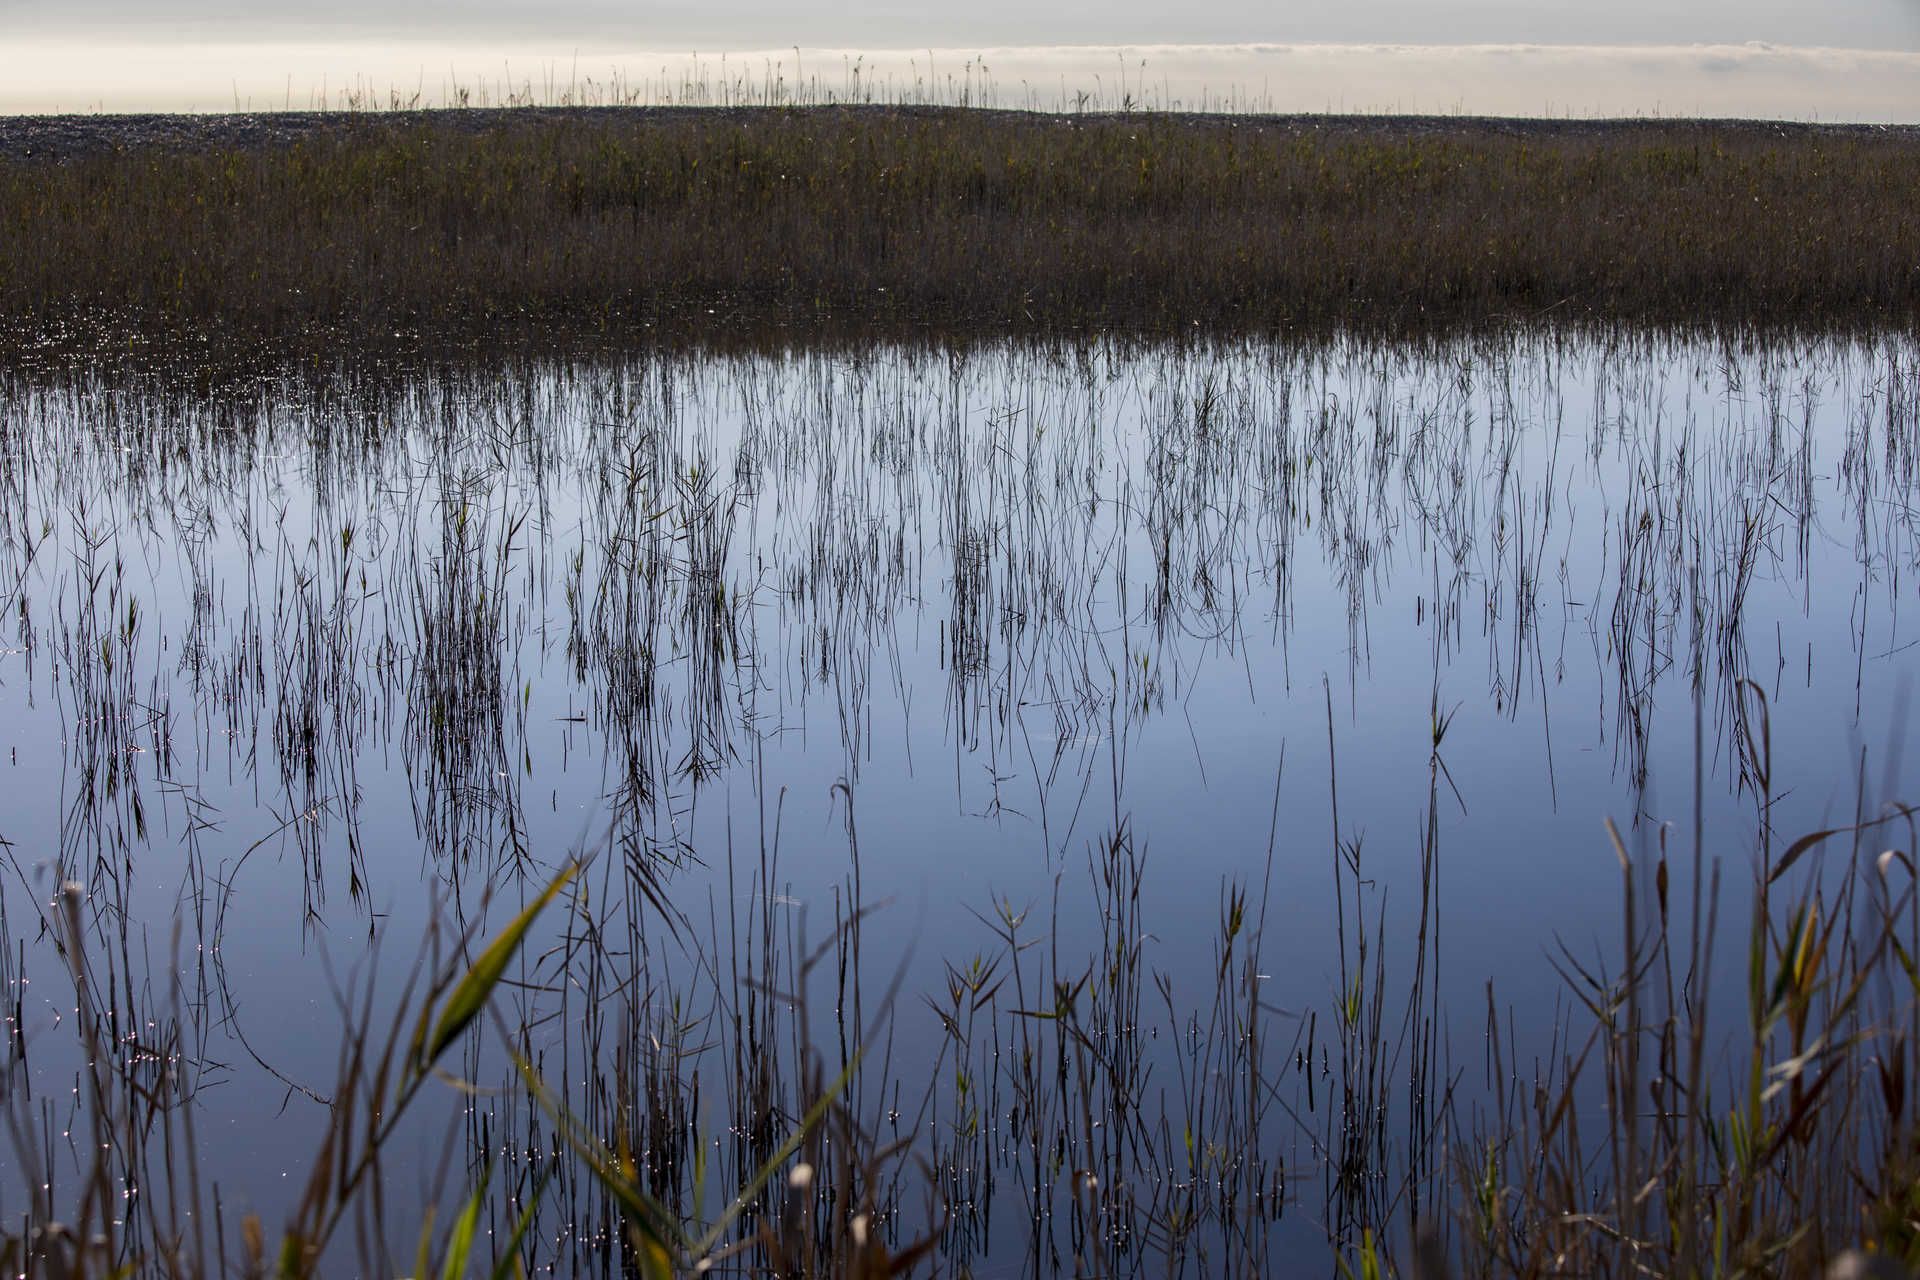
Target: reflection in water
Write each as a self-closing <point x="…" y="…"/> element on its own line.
<point x="1003" y="712"/>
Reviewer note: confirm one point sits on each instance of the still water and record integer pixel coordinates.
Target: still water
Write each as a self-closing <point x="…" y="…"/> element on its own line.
<point x="1034" y="661"/>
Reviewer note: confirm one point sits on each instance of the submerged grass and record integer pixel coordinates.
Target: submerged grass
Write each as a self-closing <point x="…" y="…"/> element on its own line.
<point x="722" y="220"/>
<point x="1643" y="1146"/>
<point x="661" y="1094"/>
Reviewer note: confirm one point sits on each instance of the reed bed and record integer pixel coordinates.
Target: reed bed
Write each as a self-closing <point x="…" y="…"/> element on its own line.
<point x="897" y="218"/>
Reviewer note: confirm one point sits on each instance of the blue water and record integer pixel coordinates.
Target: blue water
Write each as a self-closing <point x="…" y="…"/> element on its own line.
<point x="289" y="673"/>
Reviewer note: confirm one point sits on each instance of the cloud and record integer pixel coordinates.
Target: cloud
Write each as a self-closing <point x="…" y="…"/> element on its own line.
<point x="1752" y="79"/>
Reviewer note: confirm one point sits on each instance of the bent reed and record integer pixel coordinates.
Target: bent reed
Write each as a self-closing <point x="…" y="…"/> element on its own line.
<point x="612" y="219"/>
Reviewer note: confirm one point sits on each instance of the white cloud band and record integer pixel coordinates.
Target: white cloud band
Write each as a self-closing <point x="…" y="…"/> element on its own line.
<point x="1747" y="80"/>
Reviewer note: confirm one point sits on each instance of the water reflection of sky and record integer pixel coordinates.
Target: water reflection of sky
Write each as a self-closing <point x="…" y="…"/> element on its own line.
<point x="1009" y="599"/>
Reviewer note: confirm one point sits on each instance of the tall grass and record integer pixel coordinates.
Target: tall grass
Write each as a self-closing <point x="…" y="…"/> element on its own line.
<point x="720" y="221"/>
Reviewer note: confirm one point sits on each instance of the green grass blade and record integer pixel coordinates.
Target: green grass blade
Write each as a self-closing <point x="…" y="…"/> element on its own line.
<point x="289" y="1263"/>
<point x="659" y="1232"/>
<point x="470" y="996"/>
<point x="815" y="1114"/>
<point x="460" y="1244"/>
<point x="423" y="1253"/>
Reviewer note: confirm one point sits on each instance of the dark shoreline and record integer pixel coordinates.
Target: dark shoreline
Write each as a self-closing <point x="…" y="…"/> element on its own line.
<point x="76" y="135"/>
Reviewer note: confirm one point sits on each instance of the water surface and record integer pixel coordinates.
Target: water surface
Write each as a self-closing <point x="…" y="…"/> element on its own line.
<point x="1091" y="639"/>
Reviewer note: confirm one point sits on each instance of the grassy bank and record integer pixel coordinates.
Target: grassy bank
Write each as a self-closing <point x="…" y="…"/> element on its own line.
<point x="464" y="223"/>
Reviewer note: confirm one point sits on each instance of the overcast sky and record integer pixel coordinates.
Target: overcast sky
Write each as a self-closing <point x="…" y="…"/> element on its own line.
<point x="773" y="24"/>
<point x="1610" y="57"/>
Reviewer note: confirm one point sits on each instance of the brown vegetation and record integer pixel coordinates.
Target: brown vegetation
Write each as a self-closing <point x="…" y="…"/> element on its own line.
<point x="821" y="218"/>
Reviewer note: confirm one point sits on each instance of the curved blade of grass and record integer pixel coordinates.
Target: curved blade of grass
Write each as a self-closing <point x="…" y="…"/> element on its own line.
<point x="659" y="1233"/>
<point x="1798" y="848"/>
<point x="470" y="996"/>
<point x="815" y="1114"/>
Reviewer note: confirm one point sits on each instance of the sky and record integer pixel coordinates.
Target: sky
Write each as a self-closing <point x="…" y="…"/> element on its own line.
<point x="1855" y="59"/>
